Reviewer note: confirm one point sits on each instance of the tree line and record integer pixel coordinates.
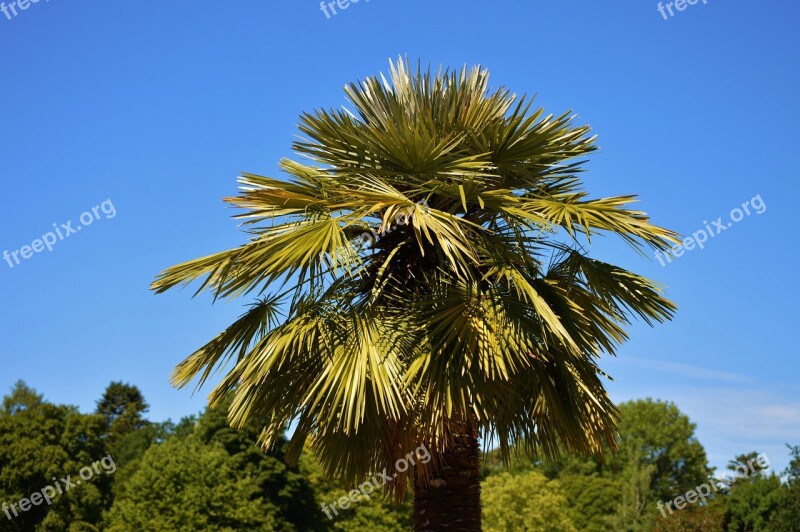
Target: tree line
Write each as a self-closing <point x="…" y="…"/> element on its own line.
<point x="199" y="474"/>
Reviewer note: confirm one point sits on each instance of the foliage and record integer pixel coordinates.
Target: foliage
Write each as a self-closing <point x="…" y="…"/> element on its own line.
<point x="22" y="397"/>
<point x="591" y="499"/>
<point x="527" y="501"/>
<point x="752" y="502"/>
<point x="285" y="487"/>
<point x="128" y="434"/>
<point x="201" y="474"/>
<point x="787" y="516"/>
<point x="130" y="447"/>
<point x="494" y="462"/>
<point x="753" y="495"/>
<point x="123" y="407"/>
<point x="692" y="519"/>
<point x="40" y="441"/>
<point x="186" y="485"/>
<point x="572" y="465"/>
<point x="376" y="514"/>
<point x="634" y="512"/>
<point x="663" y="437"/>
<point x="619" y="492"/>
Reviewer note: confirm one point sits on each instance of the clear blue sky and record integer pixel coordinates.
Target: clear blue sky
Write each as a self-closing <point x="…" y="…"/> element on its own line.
<point x="158" y="106"/>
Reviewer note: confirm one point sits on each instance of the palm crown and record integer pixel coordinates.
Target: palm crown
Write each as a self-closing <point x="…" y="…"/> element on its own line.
<point x="427" y="267"/>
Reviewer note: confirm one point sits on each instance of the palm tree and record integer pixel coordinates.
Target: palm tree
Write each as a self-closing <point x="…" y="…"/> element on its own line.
<point x="424" y="280"/>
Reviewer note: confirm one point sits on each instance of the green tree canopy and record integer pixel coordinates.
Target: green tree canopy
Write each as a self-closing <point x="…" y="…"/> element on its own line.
<point x="693" y="519"/>
<point x="634" y="510"/>
<point x="662" y="436"/>
<point x="285" y="487"/>
<point x="787" y="516"/>
<point x="753" y="502"/>
<point x="186" y="485"/>
<point x="22" y="397"/>
<point x="747" y="503"/>
<point x="591" y="499"/>
<point x="123" y="407"/>
<point x="40" y="441"/>
<point x="525" y="502"/>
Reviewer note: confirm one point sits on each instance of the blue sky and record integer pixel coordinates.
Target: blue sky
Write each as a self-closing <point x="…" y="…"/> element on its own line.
<point x="157" y="106"/>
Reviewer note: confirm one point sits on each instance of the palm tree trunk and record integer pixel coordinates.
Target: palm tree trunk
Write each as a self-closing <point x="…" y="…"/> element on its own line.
<point x="452" y="499"/>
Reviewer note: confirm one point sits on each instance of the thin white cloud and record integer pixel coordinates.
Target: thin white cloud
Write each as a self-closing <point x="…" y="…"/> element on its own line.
<point x="745" y="413"/>
<point x="686" y="370"/>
